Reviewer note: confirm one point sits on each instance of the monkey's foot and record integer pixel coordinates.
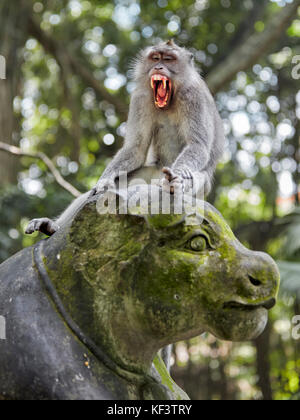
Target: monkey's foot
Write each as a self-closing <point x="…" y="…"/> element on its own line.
<point x="44" y="225"/>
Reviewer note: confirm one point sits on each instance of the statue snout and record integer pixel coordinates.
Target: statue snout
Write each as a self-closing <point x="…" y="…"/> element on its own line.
<point x="258" y="279"/>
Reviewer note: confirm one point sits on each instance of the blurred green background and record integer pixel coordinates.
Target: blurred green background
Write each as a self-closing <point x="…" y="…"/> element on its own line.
<point x="67" y="93"/>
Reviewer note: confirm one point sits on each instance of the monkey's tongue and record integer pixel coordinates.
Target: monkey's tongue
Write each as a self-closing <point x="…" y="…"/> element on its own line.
<point x="161" y="87"/>
<point x="162" y="90"/>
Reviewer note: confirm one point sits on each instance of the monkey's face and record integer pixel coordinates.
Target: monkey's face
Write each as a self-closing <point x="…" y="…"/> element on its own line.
<point x="160" y="77"/>
<point x="163" y="70"/>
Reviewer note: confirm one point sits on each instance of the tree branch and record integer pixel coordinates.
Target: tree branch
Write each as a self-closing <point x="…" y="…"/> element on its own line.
<point x="13" y="150"/>
<point x="54" y="48"/>
<point x="247" y="53"/>
<point x="245" y="28"/>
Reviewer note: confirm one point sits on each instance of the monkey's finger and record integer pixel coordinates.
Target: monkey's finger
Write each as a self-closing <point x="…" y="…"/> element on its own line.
<point x="34" y="226"/>
<point x="170" y="175"/>
<point x="93" y="192"/>
<point x="30" y="228"/>
<point x="177" y="186"/>
<point x="165" y="185"/>
<point x="173" y="187"/>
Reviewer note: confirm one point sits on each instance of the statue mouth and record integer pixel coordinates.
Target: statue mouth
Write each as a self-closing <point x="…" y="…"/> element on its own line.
<point x="268" y="304"/>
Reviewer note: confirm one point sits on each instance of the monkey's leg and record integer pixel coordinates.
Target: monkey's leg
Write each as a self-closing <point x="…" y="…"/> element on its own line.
<point x="48" y="226"/>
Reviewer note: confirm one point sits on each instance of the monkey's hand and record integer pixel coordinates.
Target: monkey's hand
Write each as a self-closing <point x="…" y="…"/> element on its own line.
<point x="46" y="226"/>
<point x="173" y="182"/>
<point x="102" y="186"/>
<point x="184" y="180"/>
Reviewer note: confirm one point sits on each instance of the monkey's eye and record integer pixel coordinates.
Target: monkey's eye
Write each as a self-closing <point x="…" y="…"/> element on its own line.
<point x="169" y="58"/>
<point x="155" y="57"/>
<point x="198" y="243"/>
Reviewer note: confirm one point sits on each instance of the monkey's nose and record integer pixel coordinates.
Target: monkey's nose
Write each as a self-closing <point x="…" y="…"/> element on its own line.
<point x="158" y="68"/>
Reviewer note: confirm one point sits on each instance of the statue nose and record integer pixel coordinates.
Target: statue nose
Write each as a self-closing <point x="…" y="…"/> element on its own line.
<point x="261" y="277"/>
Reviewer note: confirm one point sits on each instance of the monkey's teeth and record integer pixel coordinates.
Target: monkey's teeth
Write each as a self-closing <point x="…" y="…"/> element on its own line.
<point x="159" y="77"/>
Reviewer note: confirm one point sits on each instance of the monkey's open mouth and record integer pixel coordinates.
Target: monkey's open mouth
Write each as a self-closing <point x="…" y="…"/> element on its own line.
<point x="162" y="89"/>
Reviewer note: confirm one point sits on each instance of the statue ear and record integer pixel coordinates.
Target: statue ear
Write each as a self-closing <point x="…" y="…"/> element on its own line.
<point x="147" y="201"/>
<point x="134" y="200"/>
<point x="143" y="201"/>
<point x="163" y="221"/>
<point x="158" y="208"/>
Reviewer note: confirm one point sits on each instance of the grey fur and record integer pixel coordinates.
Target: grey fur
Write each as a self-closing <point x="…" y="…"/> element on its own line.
<point x="187" y="138"/>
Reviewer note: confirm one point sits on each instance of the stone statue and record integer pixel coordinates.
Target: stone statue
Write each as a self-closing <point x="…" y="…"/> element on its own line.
<point x="88" y="309"/>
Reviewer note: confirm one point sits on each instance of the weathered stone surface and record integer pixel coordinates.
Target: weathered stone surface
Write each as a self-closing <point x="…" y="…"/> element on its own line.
<point x="88" y="309"/>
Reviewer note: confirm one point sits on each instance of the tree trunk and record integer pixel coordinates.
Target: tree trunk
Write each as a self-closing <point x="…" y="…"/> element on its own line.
<point x="13" y="23"/>
<point x="262" y="344"/>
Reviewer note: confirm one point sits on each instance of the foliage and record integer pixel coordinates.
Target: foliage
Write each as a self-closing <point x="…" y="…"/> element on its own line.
<point x="256" y="189"/>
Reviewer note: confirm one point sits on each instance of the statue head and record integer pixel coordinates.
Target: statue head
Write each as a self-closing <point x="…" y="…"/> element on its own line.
<point x="152" y="280"/>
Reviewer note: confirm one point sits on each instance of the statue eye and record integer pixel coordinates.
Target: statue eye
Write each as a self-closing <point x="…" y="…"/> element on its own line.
<point x="199" y="243"/>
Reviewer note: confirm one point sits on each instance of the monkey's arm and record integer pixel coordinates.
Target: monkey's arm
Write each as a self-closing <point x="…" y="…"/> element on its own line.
<point x="128" y="159"/>
<point x="204" y="142"/>
<point x="191" y="169"/>
<point x="133" y="154"/>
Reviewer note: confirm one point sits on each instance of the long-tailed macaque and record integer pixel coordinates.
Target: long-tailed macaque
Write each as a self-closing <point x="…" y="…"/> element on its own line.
<point x="174" y="131"/>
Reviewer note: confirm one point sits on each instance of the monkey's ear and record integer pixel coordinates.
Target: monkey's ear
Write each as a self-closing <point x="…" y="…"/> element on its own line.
<point x="192" y="57"/>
